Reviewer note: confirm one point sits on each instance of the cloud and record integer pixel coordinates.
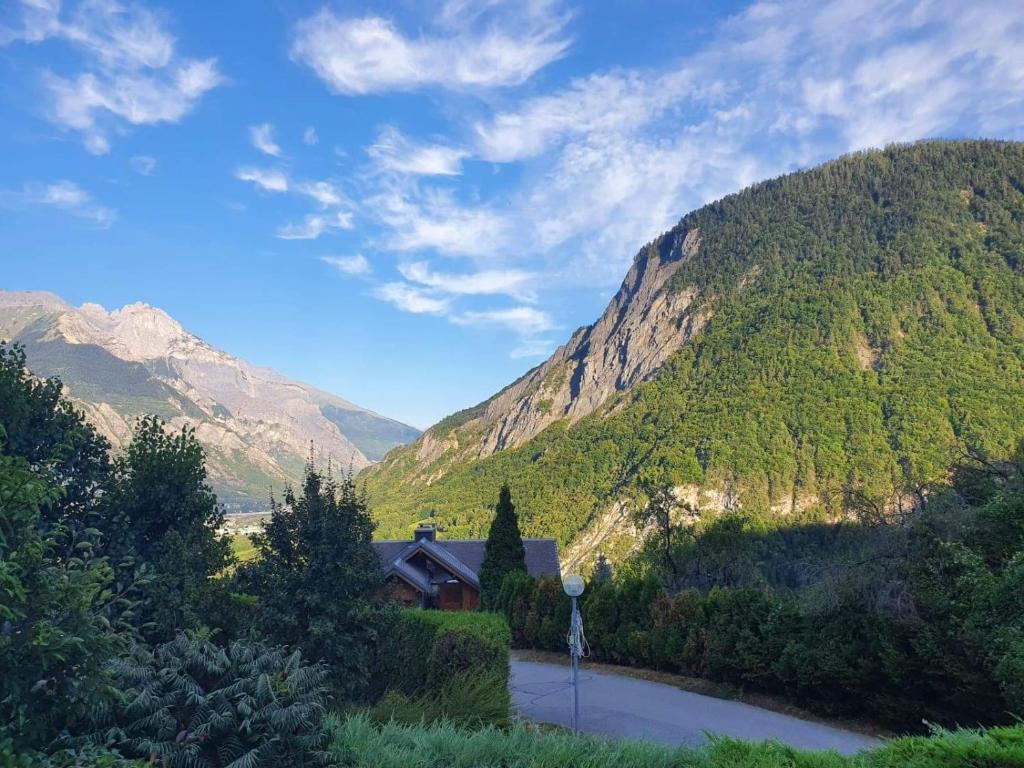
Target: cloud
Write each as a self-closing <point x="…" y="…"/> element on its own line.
<point x="433" y="219"/>
<point x="469" y="45"/>
<point x="615" y="157"/>
<point x="132" y="75"/>
<point x="533" y="348"/>
<point x="394" y="152"/>
<point x="309" y="136"/>
<point x="408" y="298"/>
<point x="70" y="197"/>
<point x="511" y="282"/>
<point x="315" y="225"/>
<point x="526" y="321"/>
<point x="350" y="265"/>
<point x="262" y="137"/>
<point x="335" y="211"/>
<point x="143" y="164"/>
<point x="269" y="179"/>
<point x="325" y="193"/>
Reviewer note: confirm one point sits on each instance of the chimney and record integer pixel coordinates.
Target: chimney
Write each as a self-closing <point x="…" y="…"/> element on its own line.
<point x="428" y="532"/>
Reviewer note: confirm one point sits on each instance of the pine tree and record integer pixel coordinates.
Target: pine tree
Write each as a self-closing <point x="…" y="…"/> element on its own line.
<point x="602" y="570"/>
<point x="504" y="550"/>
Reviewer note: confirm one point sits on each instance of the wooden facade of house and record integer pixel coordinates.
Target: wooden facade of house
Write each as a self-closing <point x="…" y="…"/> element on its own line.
<point x="428" y="573"/>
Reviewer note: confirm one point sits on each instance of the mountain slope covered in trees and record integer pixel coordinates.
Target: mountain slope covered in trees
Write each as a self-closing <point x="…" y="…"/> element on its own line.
<point x="828" y="341"/>
<point x="255" y="425"/>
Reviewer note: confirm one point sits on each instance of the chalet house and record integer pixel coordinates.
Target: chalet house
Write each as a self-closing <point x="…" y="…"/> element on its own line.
<point x="444" y="574"/>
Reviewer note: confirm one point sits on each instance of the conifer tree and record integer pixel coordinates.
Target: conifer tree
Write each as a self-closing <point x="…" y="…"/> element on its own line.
<point x="602" y="570"/>
<point x="504" y="550"/>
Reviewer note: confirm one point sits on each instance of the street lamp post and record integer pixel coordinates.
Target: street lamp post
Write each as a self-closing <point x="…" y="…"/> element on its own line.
<point x="573" y="586"/>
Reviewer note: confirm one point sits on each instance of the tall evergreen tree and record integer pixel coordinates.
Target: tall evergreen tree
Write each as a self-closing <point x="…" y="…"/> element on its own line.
<point x="318" y="575"/>
<point x="504" y="550"/>
<point x="602" y="572"/>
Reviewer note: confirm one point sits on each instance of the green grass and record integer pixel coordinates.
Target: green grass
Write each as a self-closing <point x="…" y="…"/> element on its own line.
<point x="356" y="741"/>
<point x="243" y="548"/>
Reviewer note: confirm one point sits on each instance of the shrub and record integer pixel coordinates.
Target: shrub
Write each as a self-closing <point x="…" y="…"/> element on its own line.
<point x="190" y="703"/>
<point x="422" y="649"/>
<point x="467" y="699"/>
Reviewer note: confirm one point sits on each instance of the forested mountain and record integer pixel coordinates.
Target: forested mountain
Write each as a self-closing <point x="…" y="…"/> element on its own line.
<point x="255" y="425"/>
<point x="826" y="341"/>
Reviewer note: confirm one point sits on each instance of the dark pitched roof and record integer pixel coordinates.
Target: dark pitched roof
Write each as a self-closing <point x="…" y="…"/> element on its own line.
<point x="541" y="554"/>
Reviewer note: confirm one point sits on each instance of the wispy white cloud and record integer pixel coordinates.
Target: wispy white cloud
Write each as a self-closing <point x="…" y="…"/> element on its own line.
<point x="132" y="75"/>
<point x="309" y="136"/>
<point x="262" y="137"/>
<point x="615" y="157"/>
<point x="525" y="321"/>
<point x="409" y="298"/>
<point x="486" y="43"/>
<point x="270" y="179"/>
<point x="334" y="211"/>
<point x="394" y="152"/>
<point x="316" y="224"/>
<point x="510" y="282"/>
<point x="143" y="164"/>
<point x="433" y="219"/>
<point x="532" y="348"/>
<point x="324" y="192"/>
<point x="350" y="265"/>
<point x="70" y="197"/>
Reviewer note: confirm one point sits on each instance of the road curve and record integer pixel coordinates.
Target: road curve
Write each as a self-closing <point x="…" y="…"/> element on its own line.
<point x="625" y="707"/>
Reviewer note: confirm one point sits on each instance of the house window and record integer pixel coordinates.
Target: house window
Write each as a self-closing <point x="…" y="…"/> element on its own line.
<point x="450" y="596"/>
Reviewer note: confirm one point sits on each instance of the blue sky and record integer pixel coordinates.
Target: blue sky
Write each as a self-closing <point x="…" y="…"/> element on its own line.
<point x="410" y="204"/>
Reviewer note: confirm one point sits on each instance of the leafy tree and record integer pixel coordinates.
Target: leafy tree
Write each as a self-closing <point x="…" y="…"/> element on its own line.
<point x="170" y="520"/>
<point x="192" y="704"/>
<point x="317" y="578"/>
<point x="504" y="551"/>
<point x="44" y="429"/>
<point x="60" y="617"/>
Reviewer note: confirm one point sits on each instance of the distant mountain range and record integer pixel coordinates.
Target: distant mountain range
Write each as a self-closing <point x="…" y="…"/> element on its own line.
<point x="256" y="426"/>
<point x="817" y="345"/>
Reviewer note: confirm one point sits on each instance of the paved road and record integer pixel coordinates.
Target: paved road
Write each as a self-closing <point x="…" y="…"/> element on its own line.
<point x="616" y="705"/>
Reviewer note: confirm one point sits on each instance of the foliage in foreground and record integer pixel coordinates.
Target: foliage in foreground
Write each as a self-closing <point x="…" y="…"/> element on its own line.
<point x="356" y="742"/>
<point x="192" y="704"/>
<point x="470" y="699"/>
<point x="59" y="616"/>
<point x="422" y="651"/>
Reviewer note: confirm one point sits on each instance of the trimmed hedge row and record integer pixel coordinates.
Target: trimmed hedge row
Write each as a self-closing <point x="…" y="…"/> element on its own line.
<point x="422" y="650"/>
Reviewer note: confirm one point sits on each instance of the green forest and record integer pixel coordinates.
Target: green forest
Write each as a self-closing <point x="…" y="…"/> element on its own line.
<point x="867" y="331"/>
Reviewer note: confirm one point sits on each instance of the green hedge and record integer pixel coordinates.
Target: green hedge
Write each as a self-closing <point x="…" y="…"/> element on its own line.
<point x="843" y="661"/>
<point x="423" y="650"/>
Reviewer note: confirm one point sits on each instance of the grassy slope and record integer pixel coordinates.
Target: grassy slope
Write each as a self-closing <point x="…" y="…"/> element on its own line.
<point x="868" y="324"/>
<point x="357" y="742"/>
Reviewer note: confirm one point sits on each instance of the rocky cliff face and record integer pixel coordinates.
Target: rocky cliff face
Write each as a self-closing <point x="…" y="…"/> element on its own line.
<point x="256" y="425"/>
<point x="641" y="327"/>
